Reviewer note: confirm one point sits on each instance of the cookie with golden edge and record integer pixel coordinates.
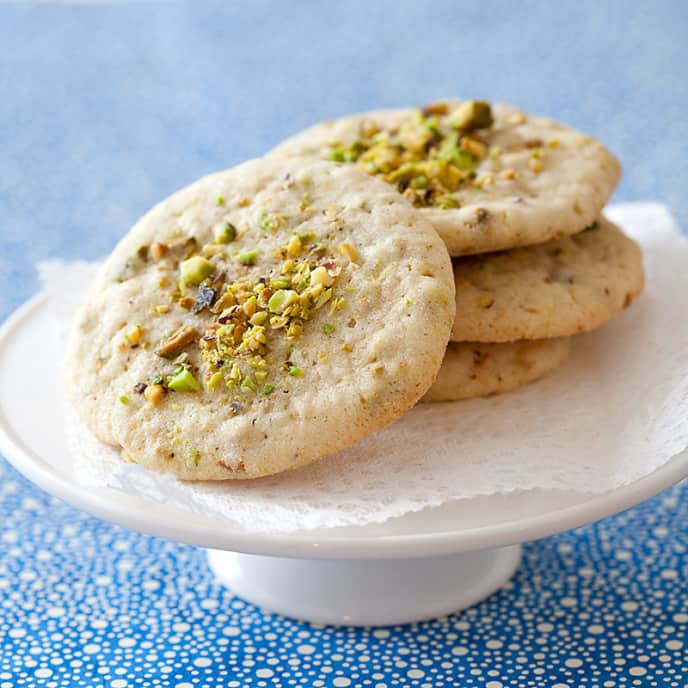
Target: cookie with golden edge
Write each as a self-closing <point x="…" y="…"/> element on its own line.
<point x="488" y="177"/>
<point x="475" y="369"/>
<point x="251" y="322"/>
<point x="555" y="289"/>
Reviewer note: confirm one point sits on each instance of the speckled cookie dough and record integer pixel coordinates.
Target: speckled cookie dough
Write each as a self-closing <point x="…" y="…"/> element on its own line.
<point x="475" y="369"/>
<point x="488" y="177"/>
<point x="555" y="289"/>
<point x="252" y="322"/>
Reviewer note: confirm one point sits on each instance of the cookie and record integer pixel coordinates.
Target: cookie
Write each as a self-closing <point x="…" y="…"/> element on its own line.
<point x="488" y="178"/>
<point x="251" y="322"/>
<point x="474" y="369"/>
<point x="555" y="289"/>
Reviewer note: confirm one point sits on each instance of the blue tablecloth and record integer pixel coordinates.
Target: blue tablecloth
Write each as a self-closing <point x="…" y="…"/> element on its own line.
<point x="106" y="108"/>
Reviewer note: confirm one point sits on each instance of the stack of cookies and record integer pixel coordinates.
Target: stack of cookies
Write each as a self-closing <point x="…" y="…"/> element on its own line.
<point x="277" y="312"/>
<point x="517" y="200"/>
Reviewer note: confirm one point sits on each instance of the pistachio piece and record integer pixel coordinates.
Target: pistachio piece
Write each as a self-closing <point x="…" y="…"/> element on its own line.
<point x="184" y="336"/>
<point x="224" y="233"/>
<point x="134" y="335"/>
<point x="158" y="251"/>
<point x="281" y="300"/>
<point x="247" y="258"/>
<point x="195" y="269"/>
<point x="473" y="114"/>
<point x="346" y="249"/>
<point x="215" y="381"/>
<point x="154" y="394"/>
<point x="183" y="381"/>
<point x="321" y="276"/>
<point x="192" y="456"/>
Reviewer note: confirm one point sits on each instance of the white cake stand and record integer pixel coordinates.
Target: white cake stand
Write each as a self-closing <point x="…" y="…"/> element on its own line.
<point x="407" y="569"/>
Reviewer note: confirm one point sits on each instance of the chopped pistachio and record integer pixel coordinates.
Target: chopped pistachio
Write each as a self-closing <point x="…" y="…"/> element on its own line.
<point x="321" y="276"/>
<point x="225" y="233"/>
<point x="183" y="381"/>
<point x="295" y="371"/>
<point x="270" y="222"/>
<point x="124" y="399"/>
<point x="267" y="388"/>
<point x="176" y="343"/>
<point x="195" y="269"/>
<point x="192" y="456"/>
<point x="220" y="200"/>
<point x="250" y="306"/>
<point x="294" y="247"/>
<point x="187" y="302"/>
<point x="215" y="381"/>
<point x="473" y="114"/>
<point x="279" y="282"/>
<point x="294" y="329"/>
<point x="135" y="335"/>
<point x="248" y="385"/>
<point x="248" y="257"/>
<point x="282" y="299"/>
<point x="158" y="251"/>
<point x="476" y="148"/>
<point x="347" y="250"/>
<point x="328" y="328"/>
<point x="154" y="393"/>
<point x="259" y="318"/>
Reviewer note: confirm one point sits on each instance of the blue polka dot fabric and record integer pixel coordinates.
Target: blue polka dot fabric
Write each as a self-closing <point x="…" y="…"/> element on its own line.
<point x="107" y="107"/>
<point x="85" y="603"/>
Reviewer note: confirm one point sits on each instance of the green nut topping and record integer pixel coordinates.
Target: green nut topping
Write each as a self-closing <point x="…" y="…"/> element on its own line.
<point x="474" y="114"/>
<point x="295" y="371"/>
<point x="215" y="381"/>
<point x="124" y="399"/>
<point x="427" y="157"/>
<point x="328" y="328"/>
<point x="183" y="381"/>
<point x="281" y="300"/>
<point x="225" y="232"/>
<point x="192" y="456"/>
<point x="195" y="269"/>
<point x="248" y="257"/>
<point x="267" y="388"/>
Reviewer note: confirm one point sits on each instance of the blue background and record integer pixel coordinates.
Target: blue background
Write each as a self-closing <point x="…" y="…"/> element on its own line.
<point x="105" y="109"/>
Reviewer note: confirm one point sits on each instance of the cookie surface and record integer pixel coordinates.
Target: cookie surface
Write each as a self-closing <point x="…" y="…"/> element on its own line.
<point x="487" y="178"/>
<point x="251" y="322"/>
<point x="555" y="289"/>
<point x="474" y="369"/>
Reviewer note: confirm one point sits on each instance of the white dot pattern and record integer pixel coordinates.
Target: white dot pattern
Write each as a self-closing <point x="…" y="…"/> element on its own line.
<point x="85" y="603"/>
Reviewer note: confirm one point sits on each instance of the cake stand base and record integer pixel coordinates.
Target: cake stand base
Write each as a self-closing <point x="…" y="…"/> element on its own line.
<point x="366" y="592"/>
